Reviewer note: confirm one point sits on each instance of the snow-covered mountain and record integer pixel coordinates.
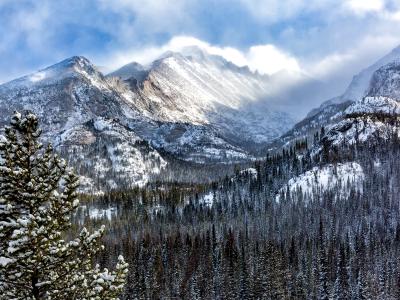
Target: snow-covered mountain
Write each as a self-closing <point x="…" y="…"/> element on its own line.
<point x="201" y="89"/>
<point x="367" y="114"/>
<point x="373" y="116"/>
<point x="360" y="83"/>
<point x="378" y="80"/>
<point x="370" y="121"/>
<point x="82" y="113"/>
<point x="191" y="105"/>
<point x="63" y="95"/>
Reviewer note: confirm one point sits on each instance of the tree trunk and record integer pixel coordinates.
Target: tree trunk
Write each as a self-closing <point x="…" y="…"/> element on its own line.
<point x="35" y="289"/>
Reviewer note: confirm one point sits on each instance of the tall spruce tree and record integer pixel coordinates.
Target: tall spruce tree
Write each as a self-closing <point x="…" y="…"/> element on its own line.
<point x="38" y="193"/>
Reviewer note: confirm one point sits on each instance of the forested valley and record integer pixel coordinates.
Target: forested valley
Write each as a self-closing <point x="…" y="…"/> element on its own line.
<point x="249" y="236"/>
<point x="200" y="150"/>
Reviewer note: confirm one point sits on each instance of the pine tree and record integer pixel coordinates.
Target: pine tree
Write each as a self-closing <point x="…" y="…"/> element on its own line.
<point x="382" y="281"/>
<point x="38" y="193"/>
<point x="340" y="287"/>
<point x="244" y="280"/>
<point x="323" y="290"/>
<point x="362" y="292"/>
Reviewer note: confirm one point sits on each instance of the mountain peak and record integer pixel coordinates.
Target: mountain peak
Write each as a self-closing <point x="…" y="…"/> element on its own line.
<point x="76" y="59"/>
<point x="200" y="55"/>
<point x="168" y="54"/>
<point x="129" y="70"/>
<point x="363" y="83"/>
<point x="73" y="66"/>
<point x="75" y="62"/>
<point x="195" y="52"/>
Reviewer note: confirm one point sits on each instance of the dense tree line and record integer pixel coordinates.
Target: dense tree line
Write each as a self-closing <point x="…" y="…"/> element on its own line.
<point x="339" y="243"/>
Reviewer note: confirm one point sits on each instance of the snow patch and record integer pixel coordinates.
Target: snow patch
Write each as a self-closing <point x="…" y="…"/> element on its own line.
<point x="108" y="213"/>
<point x="37" y="76"/>
<point x="325" y="178"/>
<point x="374" y="105"/>
<point x="207" y="199"/>
<point x="4" y="261"/>
<point x="95" y="213"/>
<point x="250" y="171"/>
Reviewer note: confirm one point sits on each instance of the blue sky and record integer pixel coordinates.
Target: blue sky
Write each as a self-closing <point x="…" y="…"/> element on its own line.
<point x="327" y="39"/>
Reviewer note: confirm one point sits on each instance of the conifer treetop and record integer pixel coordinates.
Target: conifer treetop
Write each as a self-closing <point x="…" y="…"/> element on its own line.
<point x="38" y="194"/>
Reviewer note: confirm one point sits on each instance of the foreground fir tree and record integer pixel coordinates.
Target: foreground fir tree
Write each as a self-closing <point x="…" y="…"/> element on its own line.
<point x="37" y="197"/>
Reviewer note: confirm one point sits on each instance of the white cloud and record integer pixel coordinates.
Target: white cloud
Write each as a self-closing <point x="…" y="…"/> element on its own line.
<point x="330" y="64"/>
<point x="27" y="22"/>
<point x="325" y="40"/>
<point x="272" y="11"/>
<point x="151" y="16"/>
<point x="361" y="7"/>
<point x="269" y="59"/>
<point x="361" y="55"/>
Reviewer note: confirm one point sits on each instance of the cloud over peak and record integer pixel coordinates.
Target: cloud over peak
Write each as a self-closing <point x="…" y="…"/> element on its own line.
<point x="326" y="39"/>
<point x="266" y="59"/>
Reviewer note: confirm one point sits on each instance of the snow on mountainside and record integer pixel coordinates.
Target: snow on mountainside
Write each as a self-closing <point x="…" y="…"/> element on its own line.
<point x="132" y="70"/>
<point x="195" y="143"/>
<point x="201" y="89"/>
<point x="360" y="83"/>
<point x="386" y="81"/>
<point x="379" y="80"/>
<point x="374" y="105"/>
<point x="63" y="95"/>
<point x="370" y="118"/>
<point x="114" y="154"/>
<point x="70" y="98"/>
<point x="375" y="116"/>
<point x="325" y="178"/>
<point x="194" y="106"/>
<point x="73" y="92"/>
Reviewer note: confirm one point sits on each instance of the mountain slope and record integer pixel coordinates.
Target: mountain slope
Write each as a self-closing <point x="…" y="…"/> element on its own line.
<point x="360" y="83"/>
<point x="375" y="116"/>
<point x="377" y="80"/>
<point x="132" y="70"/>
<point x="201" y="89"/>
<point x="70" y="96"/>
<point x="365" y="123"/>
<point x="328" y="177"/>
<point x="181" y="107"/>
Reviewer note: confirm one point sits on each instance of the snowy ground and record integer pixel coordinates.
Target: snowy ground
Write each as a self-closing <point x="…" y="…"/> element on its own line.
<point x="325" y="178"/>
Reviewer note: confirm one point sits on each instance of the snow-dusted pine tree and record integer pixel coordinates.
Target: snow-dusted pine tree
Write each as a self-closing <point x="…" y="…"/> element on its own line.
<point x="37" y="197"/>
